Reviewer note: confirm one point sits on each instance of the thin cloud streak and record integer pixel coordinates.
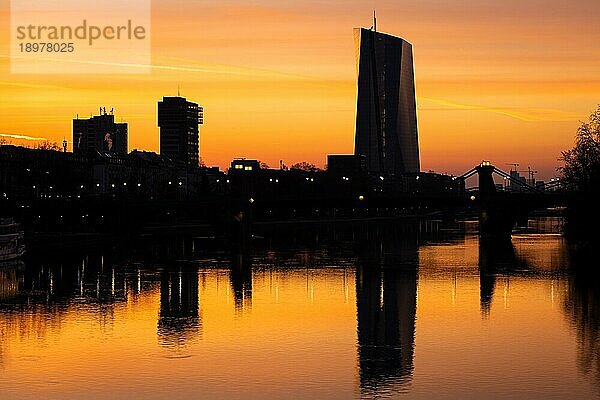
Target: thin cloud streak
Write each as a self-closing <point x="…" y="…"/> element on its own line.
<point x="527" y="115"/>
<point x="21" y="137"/>
<point x="29" y="85"/>
<point x="224" y="70"/>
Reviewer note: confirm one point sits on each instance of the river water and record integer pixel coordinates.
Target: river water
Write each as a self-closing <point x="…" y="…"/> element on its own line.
<point x="361" y="312"/>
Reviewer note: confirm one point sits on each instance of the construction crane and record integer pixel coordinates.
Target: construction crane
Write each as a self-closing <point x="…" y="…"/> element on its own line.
<point x="530" y="174"/>
<point x="514" y="166"/>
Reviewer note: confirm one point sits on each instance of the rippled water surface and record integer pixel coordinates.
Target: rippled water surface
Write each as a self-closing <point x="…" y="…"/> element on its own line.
<point x="367" y="312"/>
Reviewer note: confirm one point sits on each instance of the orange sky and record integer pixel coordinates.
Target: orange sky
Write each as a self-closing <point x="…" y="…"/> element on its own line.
<point x="506" y="81"/>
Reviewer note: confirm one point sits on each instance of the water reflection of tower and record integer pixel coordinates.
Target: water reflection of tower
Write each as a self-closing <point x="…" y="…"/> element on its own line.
<point x="240" y="277"/>
<point x="386" y="300"/>
<point x="496" y="255"/>
<point x="179" y="317"/>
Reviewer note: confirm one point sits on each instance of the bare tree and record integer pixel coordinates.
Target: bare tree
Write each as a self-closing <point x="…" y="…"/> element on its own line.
<point x="47" y="145"/>
<point x="581" y="168"/>
<point x="305" y="166"/>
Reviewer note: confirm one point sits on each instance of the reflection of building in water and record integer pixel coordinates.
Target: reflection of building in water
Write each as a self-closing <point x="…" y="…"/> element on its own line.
<point x="36" y="296"/>
<point x="581" y="306"/>
<point x="386" y="300"/>
<point x="179" y="317"/>
<point x="240" y="276"/>
<point x="101" y="280"/>
<point x="92" y="279"/>
<point x="9" y="288"/>
<point x="494" y="254"/>
<point x="9" y="280"/>
<point x="517" y="256"/>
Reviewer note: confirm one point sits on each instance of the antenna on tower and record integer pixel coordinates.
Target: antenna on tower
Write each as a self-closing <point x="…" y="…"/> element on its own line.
<point x="178" y="95"/>
<point x="374" y="21"/>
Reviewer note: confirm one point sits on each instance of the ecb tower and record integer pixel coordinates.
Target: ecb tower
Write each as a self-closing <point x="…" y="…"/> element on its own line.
<point x="386" y="115"/>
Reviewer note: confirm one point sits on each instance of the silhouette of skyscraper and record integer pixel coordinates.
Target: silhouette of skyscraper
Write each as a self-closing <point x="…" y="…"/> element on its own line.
<point x="99" y="133"/>
<point x="178" y="120"/>
<point x="386" y="115"/>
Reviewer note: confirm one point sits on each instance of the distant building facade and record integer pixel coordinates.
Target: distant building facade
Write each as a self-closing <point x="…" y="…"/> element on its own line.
<point x="346" y="164"/>
<point x="517" y="182"/>
<point x="27" y="174"/>
<point x="244" y="165"/>
<point x="386" y="116"/>
<point x="99" y="133"/>
<point x="178" y="120"/>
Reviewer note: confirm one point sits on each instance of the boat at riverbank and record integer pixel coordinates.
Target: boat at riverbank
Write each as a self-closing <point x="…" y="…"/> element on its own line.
<point x="12" y="245"/>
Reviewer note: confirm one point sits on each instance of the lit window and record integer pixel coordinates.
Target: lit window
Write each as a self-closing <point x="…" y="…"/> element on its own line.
<point x="248" y="168"/>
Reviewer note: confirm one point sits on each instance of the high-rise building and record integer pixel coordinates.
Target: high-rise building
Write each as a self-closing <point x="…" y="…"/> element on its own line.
<point x="386" y="114"/>
<point x="178" y="120"/>
<point x="99" y="133"/>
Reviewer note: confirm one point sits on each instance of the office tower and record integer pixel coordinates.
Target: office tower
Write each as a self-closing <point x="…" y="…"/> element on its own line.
<point x="178" y="120"/>
<point x="386" y="115"/>
<point x="99" y="133"/>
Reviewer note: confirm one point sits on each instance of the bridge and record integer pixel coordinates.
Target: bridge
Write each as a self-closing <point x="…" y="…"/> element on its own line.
<point x="499" y="211"/>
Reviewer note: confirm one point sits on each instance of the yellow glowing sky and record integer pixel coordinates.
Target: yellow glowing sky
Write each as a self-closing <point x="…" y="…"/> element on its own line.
<point x="506" y="81"/>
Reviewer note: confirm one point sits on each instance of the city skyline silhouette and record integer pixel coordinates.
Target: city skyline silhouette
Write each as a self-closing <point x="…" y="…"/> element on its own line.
<point x="307" y="200"/>
<point x="270" y="99"/>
